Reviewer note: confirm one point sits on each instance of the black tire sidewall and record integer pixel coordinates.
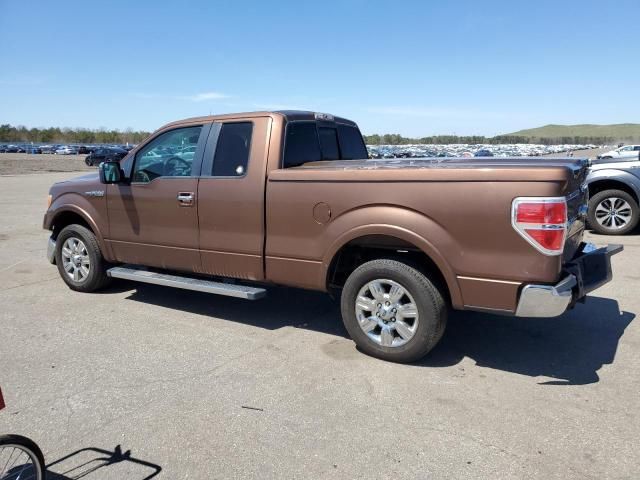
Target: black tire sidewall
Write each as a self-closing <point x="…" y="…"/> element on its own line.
<point x="598" y="197"/>
<point x="97" y="272"/>
<point x="28" y="444"/>
<point x="429" y="302"/>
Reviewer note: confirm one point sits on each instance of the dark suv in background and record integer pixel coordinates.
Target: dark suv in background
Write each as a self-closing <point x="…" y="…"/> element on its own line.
<point x="105" y="154"/>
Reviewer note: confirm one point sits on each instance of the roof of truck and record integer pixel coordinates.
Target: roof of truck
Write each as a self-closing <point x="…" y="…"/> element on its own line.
<point x="290" y="115"/>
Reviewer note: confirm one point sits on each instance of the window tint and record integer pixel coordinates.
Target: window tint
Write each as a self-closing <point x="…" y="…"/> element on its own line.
<point x="351" y="143"/>
<point x="232" y="151"/>
<point x="301" y="144"/>
<point x="329" y="143"/>
<point x="168" y="155"/>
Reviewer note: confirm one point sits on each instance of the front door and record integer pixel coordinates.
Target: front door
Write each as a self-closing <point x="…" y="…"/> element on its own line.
<point x="153" y="220"/>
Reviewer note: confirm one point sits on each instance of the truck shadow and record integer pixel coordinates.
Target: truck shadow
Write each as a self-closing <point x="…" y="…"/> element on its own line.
<point x="282" y="307"/>
<point x="569" y="349"/>
<point x="91" y="462"/>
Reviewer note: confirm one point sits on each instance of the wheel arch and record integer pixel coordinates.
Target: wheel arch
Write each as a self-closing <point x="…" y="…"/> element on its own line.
<point x="70" y="214"/>
<point x="615" y="180"/>
<point x="369" y="242"/>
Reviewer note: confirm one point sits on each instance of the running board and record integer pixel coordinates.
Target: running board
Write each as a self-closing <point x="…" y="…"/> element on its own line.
<point x="187" y="283"/>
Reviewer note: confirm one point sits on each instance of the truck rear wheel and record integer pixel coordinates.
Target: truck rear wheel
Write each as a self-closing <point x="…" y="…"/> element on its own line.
<point x="392" y="311"/>
<point x="79" y="259"/>
<point x="613" y="212"/>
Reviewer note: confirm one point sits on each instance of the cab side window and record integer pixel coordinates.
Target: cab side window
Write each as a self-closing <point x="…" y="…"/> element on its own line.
<point x="233" y="150"/>
<point x="168" y="155"/>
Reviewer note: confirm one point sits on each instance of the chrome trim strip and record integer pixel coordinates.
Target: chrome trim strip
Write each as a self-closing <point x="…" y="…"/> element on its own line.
<point x="479" y="279"/>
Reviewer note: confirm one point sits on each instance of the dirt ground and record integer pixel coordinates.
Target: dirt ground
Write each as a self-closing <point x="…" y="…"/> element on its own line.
<point x="590" y="153"/>
<point x="139" y="381"/>
<point x="21" y="163"/>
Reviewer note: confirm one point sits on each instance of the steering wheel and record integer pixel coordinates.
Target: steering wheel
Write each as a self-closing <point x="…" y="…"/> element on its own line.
<point x="142" y="177"/>
<point x="172" y="165"/>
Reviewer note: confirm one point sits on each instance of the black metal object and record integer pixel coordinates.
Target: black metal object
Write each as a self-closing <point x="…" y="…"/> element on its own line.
<point x="592" y="269"/>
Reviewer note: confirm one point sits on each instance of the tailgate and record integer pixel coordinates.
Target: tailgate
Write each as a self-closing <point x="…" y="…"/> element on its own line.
<point x="577" y="196"/>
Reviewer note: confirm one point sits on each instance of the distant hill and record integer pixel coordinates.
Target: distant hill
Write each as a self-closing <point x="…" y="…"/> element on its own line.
<point x="620" y="131"/>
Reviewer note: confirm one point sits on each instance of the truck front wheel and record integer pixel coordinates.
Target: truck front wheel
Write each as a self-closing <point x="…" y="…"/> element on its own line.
<point x="79" y="259"/>
<point x="393" y="311"/>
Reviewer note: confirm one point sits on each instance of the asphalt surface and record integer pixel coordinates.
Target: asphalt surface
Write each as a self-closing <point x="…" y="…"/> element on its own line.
<point x="141" y="379"/>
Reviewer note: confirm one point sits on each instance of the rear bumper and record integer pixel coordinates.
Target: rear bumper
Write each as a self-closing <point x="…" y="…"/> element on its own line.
<point x="589" y="270"/>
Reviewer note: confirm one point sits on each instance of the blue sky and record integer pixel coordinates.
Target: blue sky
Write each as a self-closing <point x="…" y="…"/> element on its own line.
<point x="410" y="67"/>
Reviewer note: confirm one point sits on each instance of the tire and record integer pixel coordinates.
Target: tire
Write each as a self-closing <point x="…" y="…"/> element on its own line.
<point x="621" y="204"/>
<point x="418" y="335"/>
<point x="28" y="447"/>
<point x="86" y="259"/>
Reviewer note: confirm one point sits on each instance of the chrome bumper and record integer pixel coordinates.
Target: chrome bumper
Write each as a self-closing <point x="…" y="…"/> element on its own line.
<point x="590" y="269"/>
<point x="546" y="300"/>
<point x="51" y="251"/>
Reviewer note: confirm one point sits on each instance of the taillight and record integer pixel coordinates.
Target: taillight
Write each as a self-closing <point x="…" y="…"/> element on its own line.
<point x="541" y="221"/>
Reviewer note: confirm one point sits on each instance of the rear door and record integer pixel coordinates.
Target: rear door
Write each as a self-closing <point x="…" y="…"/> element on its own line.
<point x="153" y="220"/>
<point x="231" y="198"/>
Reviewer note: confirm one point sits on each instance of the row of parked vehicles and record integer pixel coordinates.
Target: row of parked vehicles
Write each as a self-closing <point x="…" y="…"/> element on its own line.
<point x="60" y="149"/>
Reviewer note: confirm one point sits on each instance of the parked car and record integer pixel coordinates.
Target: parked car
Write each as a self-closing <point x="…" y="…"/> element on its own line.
<point x="290" y="198"/>
<point x="626" y="151"/>
<point x="105" y="154"/>
<point x="12" y="149"/>
<point x="614" y="195"/>
<point x="66" y="150"/>
<point x="483" y="153"/>
<point x="32" y="149"/>
<point x="49" y="148"/>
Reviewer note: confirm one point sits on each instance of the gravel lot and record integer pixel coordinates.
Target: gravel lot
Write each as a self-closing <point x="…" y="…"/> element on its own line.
<point x="21" y="163"/>
<point x="168" y="374"/>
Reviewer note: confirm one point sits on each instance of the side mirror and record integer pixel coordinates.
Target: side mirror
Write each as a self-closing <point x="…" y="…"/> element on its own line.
<point x="110" y="172"/>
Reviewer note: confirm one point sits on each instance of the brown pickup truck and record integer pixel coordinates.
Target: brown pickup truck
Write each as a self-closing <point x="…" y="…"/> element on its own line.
<point x="231" y="204"/>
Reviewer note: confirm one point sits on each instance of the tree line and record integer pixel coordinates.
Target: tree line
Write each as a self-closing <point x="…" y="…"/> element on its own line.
<point x="9" y="133"/>
<point x="17" y="134"/>
<point x="396" y="139"/>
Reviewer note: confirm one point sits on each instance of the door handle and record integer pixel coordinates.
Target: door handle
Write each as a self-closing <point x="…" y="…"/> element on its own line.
<point x="186" y="199"/>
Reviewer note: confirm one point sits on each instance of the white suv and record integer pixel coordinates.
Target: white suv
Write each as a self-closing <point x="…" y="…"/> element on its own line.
<point x="628" y="151"/>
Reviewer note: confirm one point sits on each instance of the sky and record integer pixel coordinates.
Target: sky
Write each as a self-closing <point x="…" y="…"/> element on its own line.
<point x="411" y="67"/>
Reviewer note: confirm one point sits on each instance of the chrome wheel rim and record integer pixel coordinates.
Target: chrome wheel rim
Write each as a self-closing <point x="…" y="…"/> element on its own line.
<point x="387" y="313"/>
<point x="613" y="213"/>
<point x="75" y="259"/>
<point x="19" y="463"/>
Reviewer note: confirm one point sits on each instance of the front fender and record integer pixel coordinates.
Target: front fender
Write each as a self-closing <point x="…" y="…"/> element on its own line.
<point x="93" y="215"/>
<point x="407" y="225"/>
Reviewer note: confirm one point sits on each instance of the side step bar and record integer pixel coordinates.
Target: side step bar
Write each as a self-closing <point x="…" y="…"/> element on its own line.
<point x="187" y="283"/>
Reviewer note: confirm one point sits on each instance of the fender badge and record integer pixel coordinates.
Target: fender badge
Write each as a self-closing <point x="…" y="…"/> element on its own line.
<point x="95" y="193"/>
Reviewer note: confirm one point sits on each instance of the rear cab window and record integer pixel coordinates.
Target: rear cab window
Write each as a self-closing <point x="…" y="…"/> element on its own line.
<point x="312" y="141"/>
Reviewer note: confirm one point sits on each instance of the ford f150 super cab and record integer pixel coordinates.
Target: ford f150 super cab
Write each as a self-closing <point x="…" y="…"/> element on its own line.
<point x="231" y="204"/>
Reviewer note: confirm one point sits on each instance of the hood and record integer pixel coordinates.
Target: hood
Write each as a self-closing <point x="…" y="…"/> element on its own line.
<point x="81" y="184"/>
<point x="82" y="179"/>
<point x="614" y="164"/>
